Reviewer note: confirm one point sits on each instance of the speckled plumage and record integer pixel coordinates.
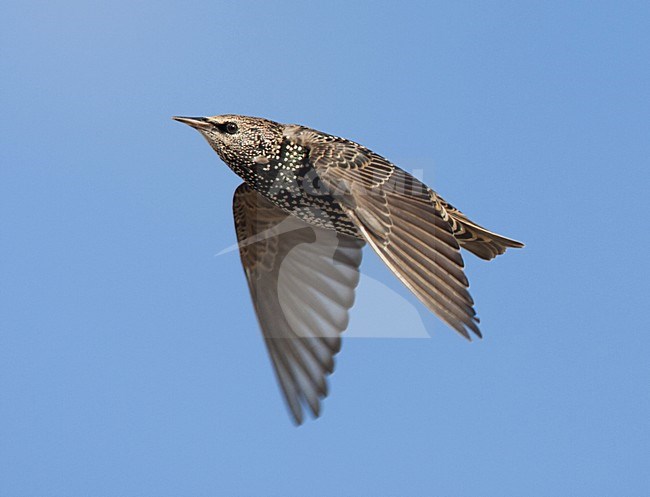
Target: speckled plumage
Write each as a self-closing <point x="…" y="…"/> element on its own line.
<point x="309" y="203"/>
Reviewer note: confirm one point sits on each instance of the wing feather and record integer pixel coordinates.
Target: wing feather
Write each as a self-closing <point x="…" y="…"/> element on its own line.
<point x="302" y="280"/>
<point x="397" y="216"/>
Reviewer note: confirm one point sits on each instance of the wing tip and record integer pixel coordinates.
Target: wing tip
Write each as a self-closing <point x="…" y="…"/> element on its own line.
<point x="314" y="407"/>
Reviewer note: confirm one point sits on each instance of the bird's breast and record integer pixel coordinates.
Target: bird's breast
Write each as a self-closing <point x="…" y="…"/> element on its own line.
<point x="295" y="187"/>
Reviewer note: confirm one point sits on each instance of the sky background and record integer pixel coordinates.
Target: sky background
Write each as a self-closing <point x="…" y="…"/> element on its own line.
<point x="130" y="359"/>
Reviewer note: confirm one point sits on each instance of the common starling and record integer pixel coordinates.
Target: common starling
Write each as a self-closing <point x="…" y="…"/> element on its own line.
<point x="309" y="203"/>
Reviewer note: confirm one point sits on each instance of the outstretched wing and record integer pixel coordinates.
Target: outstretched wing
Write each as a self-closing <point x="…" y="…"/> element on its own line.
<point x="400" y="218"/>
<point x="302" y="280"/>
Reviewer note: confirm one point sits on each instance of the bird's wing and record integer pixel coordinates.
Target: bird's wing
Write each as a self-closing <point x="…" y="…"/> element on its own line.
<point x="302" y="280"/>
<point x="400" y="218"/>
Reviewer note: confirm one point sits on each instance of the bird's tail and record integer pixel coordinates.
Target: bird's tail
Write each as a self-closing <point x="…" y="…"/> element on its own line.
<point x="478" y="240"/>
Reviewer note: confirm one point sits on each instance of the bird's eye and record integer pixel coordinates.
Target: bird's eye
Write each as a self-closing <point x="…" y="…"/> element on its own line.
<point x="231" y="128"/>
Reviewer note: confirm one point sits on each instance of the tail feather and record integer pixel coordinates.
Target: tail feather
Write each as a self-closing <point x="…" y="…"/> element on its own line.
<point x="482" y="242"/>
<point x="478" y="240"/>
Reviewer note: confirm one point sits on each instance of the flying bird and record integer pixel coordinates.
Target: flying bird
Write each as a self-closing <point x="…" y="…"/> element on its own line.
<point x="309" y="203"/>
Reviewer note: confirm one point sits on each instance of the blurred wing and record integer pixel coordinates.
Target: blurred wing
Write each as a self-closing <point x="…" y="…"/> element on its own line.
<point x="400" y="218"/>
<point x="302" y="280"/>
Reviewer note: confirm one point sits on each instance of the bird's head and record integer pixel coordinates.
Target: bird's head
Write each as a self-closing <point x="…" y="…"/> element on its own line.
<point x="237" y="139"/>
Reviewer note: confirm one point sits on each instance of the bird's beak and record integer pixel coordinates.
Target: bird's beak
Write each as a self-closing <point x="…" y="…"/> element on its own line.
<point x="196" y="122"/>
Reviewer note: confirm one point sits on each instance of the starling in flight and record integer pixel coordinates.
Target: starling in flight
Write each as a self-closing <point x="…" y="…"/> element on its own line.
<point x="309" y="203"/>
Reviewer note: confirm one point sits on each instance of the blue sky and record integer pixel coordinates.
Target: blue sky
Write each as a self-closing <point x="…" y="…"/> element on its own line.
<point x="130" y="359"/>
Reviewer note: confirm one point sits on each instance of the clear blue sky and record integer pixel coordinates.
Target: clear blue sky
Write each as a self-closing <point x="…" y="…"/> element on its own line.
<point x="130" y="359"/>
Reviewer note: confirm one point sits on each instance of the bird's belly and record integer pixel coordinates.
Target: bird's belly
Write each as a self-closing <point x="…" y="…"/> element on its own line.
<point x="318" y="210"/>
<point x="292" y="188"/>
